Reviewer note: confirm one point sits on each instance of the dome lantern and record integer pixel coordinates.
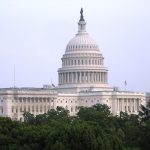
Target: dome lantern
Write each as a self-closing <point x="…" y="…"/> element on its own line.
<point x="82" y="23"/>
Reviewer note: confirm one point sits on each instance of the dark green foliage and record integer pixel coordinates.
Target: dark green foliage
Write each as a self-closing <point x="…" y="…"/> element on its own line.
<point x="93" y="128"/>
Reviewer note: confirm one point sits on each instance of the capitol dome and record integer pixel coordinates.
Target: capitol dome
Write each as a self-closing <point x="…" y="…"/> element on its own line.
<point x="82" y="63"/>
<point x="82" y="41"/>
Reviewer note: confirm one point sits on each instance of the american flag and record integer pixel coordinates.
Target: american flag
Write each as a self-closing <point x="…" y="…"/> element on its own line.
<point x="125" y="83"/>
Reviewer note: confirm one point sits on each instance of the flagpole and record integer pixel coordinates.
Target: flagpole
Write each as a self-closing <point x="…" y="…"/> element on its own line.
<point x="14" y="76"/>
<point x="125" y="84"/>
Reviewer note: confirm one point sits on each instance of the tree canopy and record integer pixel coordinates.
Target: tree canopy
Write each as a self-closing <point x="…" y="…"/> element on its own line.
<point x="93" y="128"/>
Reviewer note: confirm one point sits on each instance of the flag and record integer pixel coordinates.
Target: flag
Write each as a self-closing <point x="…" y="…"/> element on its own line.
<point x="53" y="85"/>
<point x="125" y="83"/>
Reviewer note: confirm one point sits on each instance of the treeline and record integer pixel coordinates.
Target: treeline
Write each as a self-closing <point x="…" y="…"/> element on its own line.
<point x="93" y="128"/>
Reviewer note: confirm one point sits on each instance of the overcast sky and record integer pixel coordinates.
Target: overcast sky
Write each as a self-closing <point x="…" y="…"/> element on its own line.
<point x="34" y="34"/>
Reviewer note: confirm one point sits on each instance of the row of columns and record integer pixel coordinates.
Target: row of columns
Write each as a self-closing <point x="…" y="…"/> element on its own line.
<point x="82" y="77"/>
<point x="128" y="105"/>
<point x="34" y="99"/>
<point x="32" y="108"/>
<point x="82" y="62"/>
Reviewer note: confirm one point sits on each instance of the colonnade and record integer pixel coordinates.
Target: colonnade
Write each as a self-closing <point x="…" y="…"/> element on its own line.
<point x="128" y="105"/>
<point x="82" y="62"/>
<point x="82" y="77"/>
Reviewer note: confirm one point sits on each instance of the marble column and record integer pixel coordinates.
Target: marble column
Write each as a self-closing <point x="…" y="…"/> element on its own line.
<point x="80" y="77"/>
<point x="127" y="105"/>
<point x="76" y="77"/>
<point x="72" y="77"/>
<point x="101" y="78"/>
<point x="92" y="76"/>
<point x="88" y="77"/>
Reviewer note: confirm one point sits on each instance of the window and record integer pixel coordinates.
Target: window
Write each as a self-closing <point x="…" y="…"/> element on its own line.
<point x="86" y="62"/>
<point x="44" y="99"/>
<point x="32" y="100"/>
<point x="28" y="108"/>
<point x="32" y="108"/>
<point x="44" y="109"/>
<point x="96" y="62"/>
<point x="93" y="62"/>
<point x="37" y="109"/>
<point x="133" y="108"/>
<point x="16" y="109"/>
<point x="20" y="109"/>
<point x="2" y="110"/>
<point x="24" y="99"/>
<point x="71" y="109"/>
<point x="82" y="62"/>
<point x="36" y="100"/>
<point x="21" y="119"/>
<point x="129" y="109"/>
<point x="20" y="99"/>
<point x="41" y="108"/>
<point x="24" y="108"/>
<point x="15" y="98"/>
<point x="48" y="99"/>
<point x="125" y="108"/>
<point x="40" y="99"/>
<point x="12" y="109"/>
<point x="78" y="62"/>
<point x="89" y="62"/>
<point x="28" y="100"/>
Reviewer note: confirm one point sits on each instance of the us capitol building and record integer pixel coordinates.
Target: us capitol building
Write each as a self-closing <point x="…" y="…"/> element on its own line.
<point x="83" y="81"/>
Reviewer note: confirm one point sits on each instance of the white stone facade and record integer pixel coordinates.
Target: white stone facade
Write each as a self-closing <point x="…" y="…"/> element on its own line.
<point x="82" y="81"/>
<point x="14" y="101"/>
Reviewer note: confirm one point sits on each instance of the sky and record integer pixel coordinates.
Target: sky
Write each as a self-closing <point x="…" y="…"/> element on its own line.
<point x="34" y="35"/>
